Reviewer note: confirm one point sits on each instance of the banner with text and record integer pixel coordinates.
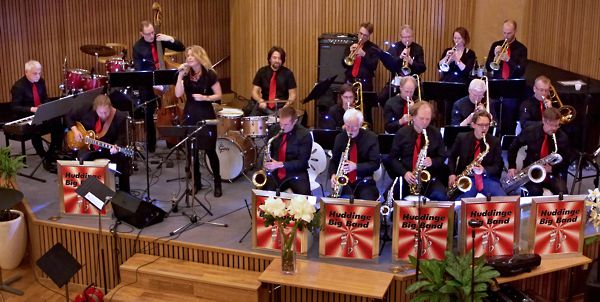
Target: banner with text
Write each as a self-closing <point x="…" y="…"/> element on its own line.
<point x="558" y="225"/>
<point x="71" y="175"/>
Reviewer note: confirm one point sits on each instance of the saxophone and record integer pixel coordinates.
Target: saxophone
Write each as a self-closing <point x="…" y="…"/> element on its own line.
<point x="463" y="181"/>
<point x="340" y="177"/>
<point x="535" y="172"/>
<point x="259" y="178"/>
<point x="419" y="171"/>
<point x="388" y="207"/>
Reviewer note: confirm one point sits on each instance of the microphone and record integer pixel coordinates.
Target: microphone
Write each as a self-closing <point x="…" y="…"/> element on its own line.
<point x="474" y="223"/>
<point x="358" y="184"/>
<point x="278" y="190"/>
<point x="209" y="122"/>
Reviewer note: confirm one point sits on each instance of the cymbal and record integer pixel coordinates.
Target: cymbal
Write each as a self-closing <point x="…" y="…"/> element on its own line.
<point x="101" y="50"/>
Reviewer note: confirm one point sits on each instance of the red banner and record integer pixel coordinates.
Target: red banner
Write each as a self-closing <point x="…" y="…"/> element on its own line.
<point x="72" y="177"/>
<point x="433" y="222"/>
<point x="269" y="237"/>
<point x="558" y="227"/>
<point x="496" y="236"/>
<point x="349" y="231"/>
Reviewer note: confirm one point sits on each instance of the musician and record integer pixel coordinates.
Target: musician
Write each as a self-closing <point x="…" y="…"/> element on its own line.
<point x="406" y="147"/>
<point x="485" y="177"/>
<point x="532" y="108"/>
<point x="273" y="83"/>
<point x="404" y="50"/>
<point x="363" y="158"/>
<point x="199" y="82"/>
<point x="109" y="124"/>
<point x="146" y="58"/>
<point x="459" y="58"/>
<point x="28" y="93"/>
<point x="514" y="61"/>
<point x="395" y="111"/>
<point x="464" y="108"/>
<point x="538" y="139"/>
<point x="365" y="59"/>
<point x="346" y="99"/>
<point x="290" y="153"/>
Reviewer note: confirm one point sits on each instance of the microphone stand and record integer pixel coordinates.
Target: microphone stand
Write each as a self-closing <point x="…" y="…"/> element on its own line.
<point x="420" y="199"/>
<point x="147" y="197"/>
<point x="351" y="197"/>
<point x="474" y="224"/>
<point x="278" y="190"/>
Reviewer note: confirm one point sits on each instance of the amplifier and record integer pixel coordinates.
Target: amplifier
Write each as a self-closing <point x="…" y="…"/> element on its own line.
<point x="332" y="48"/>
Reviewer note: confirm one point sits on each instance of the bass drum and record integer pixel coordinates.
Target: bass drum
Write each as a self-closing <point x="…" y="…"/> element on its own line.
<point x="236" y="153"/>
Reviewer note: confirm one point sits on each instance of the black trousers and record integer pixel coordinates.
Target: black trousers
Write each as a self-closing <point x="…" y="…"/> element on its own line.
<point x="433" y="190"/>
<point x="555" y="183"/>
<point x="298" y="186"/>
<point x="56" y="129"/>
<point x="366" y="189"/>
<point x="147" y="94"/>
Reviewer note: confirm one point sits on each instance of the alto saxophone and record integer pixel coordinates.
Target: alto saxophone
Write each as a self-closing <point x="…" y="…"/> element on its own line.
<point x="259" y="178"/>
<point x="340" y="177"/>
<point x="535" y="172"/>
<point x="463" y="181"/>
<point x="419" y="171"/>
<point x="388" y="207"/>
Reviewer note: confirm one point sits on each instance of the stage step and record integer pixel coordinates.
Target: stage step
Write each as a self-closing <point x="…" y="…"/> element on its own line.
<point x="131" y="293"/>
<point x="191" y="279"/>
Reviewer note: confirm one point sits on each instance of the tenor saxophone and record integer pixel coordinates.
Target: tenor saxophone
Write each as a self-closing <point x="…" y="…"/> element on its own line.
<point x="463" y="180"/>
<point x="259" y="178"/>
<point x="419" y="171"/>
<point x="340" y="177"/>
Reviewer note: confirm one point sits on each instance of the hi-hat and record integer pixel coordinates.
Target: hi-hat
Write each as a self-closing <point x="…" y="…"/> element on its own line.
<point x="101" y="50"/>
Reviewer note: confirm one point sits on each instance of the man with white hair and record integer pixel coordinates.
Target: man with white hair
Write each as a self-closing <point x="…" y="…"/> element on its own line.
<point x="362" y="161"/>
<point x="464" y="108"/>
<point x="28" y="93"/>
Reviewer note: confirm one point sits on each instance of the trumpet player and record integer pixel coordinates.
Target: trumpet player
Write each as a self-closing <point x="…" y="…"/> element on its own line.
<point x="533" y="108"/>
<point x="407" y="144"/>
<point x="363" y="158"/>
<point x="364" y="58"/>
<point x="457" y="62"/>
<point x="395" y="111"/>
<point x="485" y="175"/>
<point x="465" y="108"/>
<point x="290" y="153"/>
<point x="512" y="59"/>
<point x="538" y="137"/>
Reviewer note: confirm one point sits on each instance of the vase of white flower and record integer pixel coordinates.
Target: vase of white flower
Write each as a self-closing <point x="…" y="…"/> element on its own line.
<point x="288" y="249"/>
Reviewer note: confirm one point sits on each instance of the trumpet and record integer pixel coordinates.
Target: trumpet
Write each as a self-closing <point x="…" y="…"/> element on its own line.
<point x="445" y="64"/>
<point x="567" y="112"/>
<point x="405" y="69"/>
<point x="349" y="60"/>
<point x="495" y="65"/>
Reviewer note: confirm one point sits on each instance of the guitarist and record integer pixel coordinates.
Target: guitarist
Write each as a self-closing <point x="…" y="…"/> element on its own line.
<point x="109" y="124"/>
<point x="146" y="57"/>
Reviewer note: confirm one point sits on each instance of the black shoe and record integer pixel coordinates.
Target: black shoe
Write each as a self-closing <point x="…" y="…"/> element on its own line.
<point x="50" y="166"/>
<point x="218" y="190"/>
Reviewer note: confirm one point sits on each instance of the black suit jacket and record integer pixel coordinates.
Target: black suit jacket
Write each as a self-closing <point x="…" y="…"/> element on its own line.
<point x="367" y="66"/>
<point x="454" y="74"/>
<point x="117" y="132"/>
<point x="392" y="112"/>
<point x="22" y="96"/>
<point x="367" y="147"/>
<point x="529" y="111"/>
<point x="416" y="52"/>
<point x="142" y="53"/>
<point x="297" y="152"/>
<point x="533" y="137"/>
<point x="464" y="150"/>
<point x="516" y="64"/>
<point x="400" y="158"/>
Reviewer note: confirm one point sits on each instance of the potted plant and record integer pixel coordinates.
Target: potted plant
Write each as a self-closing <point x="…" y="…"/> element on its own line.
<point x="13" y="232"/>
<point x="450" y="279"/>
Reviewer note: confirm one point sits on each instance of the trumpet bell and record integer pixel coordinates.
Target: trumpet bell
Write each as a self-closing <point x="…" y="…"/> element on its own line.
<point x="464" y="184"/>
<point x="349" y="61"/>
<point x="567" y="114"/>
<point x="495" y="66"/>
<point x="444" y="67"/>
<point x="405" y="70"/>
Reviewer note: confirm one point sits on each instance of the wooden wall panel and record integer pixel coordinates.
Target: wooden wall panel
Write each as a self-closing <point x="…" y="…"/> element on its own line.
<point x="49" y="31"/>
<point x="296" y="26"/>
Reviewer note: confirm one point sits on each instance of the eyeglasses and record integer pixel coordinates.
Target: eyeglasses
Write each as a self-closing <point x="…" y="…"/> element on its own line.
<point x="483" y="125"/>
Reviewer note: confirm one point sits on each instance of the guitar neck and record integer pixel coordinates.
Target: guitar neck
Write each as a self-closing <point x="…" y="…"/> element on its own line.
<point x="101" y="144"/>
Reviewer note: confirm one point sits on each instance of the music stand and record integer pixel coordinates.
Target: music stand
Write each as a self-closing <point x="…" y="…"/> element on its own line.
<point x="165" y="77"/>
<point x="319" y="89"/>
<point x="390" y="62"/>
<point x="446" y="92"/>
<point x="325" y="137"/>
<point x="501" y="89"/>
<point x="60" y="266"/>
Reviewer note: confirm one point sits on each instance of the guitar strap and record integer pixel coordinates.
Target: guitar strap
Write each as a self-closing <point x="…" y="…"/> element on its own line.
<point x="107" y="124"/>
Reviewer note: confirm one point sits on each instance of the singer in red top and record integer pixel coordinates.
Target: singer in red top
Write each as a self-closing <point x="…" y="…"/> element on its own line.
<point x="274" y="85"/>
<point x="199" y="82"/>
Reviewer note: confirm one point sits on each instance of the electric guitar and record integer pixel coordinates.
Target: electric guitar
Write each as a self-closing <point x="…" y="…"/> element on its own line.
<point x="89" y="139"/>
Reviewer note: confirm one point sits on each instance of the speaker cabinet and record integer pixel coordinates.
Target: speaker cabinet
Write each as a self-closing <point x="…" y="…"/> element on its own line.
<point x="135" y="212"/>
<point x="332" y="48"/>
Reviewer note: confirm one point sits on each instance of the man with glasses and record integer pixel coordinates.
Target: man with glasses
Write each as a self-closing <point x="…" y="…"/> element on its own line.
<point x="395" y="111"/>
<point x="532" y="109"/>
<point x="363" y="158"/>
<point x="485" y="175"/>
<point x="539" y="141"/>
<point x="464" y="109"/>
<point x="335" y="116"/>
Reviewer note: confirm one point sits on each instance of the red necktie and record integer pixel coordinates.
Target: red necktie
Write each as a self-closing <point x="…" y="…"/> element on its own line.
<point x="416" y="151"/>
<point x="353" y="158"/>
<point x="356" y="66"/>
<point x="405" y="109"/>
<point x="505" y="69"/>
<point x="281" y="156"/>
<point x="272" y="90"/>
<point x="97" y="129"/>
<point x="155" y="56"/>
<point x="478" y="177"/>
<point x="545" y="148"/>
<point x="36" y="96"/>
<point x="542" y="108"/>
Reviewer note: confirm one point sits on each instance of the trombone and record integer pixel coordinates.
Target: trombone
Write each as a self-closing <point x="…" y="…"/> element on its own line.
<point x="445" y="65"/>
<point x="495" y="65"/>
<point x="567" y="112"/>
<point x="405" y="69"/>
<point x="358" y="103"/>
<point x="487" y="100"/>
<point x="349" y="60"/>
<point x="416" y="76"/>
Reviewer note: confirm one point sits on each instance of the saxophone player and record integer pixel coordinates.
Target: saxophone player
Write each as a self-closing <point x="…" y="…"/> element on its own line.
<point x="407" y="145"/>
<point x="363" y="157"/>
<point x="468" y="146"/>
<point x="290" y="153"/>
<point x="538" y="137"/>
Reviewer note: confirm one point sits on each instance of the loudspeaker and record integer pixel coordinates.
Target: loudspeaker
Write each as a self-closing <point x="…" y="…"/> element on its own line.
<point x="59" y="264"/>
<point x="133" y="211"/>
<point x="332" y="48"/>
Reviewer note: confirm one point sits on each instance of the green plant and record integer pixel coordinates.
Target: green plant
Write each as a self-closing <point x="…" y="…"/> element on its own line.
<point x="9" y="166"/>
<point x="450" y="279"/>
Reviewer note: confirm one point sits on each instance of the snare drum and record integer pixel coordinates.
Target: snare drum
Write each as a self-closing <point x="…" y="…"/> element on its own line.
<point x="95" y="81"/>
<point x="115" y="65"/>
<point x="75" y="79"/>
<point x="254" y="126"/>
<point x="229" y="119"/>
<point x="137" y="131"/>
<point x="236" y="153"/>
